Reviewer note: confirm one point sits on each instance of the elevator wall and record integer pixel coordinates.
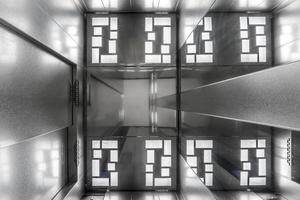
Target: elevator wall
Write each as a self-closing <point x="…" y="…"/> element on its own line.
<point x="286" y="30"/>
<point x="41" y="53"/>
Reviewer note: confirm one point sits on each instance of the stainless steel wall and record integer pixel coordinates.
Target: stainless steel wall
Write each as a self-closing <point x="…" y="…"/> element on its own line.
<point x="35" y="95"/>
<point x="191" y="12"/>
<point x="286" y="49"/>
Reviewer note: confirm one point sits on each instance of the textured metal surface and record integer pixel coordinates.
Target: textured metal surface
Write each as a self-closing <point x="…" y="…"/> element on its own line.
<point x="191" y="12"/>
<point x="191" y="187"/>
<point x="192" y="77"/>
<point x="131" y="5"/>
<point x="35" y="169"/>
<point x="35" y="90"/>
<point x="287" y="34"/>
<point x="58" y="27"/>
<point x="269" y="97"/>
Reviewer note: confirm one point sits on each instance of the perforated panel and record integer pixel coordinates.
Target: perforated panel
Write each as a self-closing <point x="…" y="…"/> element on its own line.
<point x="199" y="45"/>
<point x="131" y="39"/>
<point x="131" y="163"/>
<point x="247" y="174"/>
<point x="199" y="158"/>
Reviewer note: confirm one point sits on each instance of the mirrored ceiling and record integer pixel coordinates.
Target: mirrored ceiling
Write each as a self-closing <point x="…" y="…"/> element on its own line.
<point x="174" y="5"/>
<point x="131" y="5"/>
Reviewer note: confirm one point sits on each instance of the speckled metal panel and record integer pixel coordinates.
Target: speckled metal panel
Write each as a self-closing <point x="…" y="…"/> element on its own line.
<point x="269" y="97"/>
<point x="34" y="90"/>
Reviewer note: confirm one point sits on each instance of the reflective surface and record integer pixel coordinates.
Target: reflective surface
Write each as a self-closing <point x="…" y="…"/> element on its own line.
<point x="250" y="94"/>
<point x="35" y="169"/>
<point x="35" y="89"/>
<point x="287" y="35"/>
<point x="58" y="27"/>
<point x="131" y="5"/>
<point x="191" y="12"/>
<point x="191" y="187"/>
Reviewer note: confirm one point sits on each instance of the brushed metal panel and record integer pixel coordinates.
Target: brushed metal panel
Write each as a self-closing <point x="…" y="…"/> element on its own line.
<point x="192" y="77"/>
<point x="269" y="97"/>
<point x="104" y="107"/>
<point x="191" y="12"/>
<point x="166" y="117"/>
<point x="136" y="102"/>
<point x="191" y="187"/>
<point x="35" y="90"/>
<point x="34" y="169"/>
<point x="30" y="17"/>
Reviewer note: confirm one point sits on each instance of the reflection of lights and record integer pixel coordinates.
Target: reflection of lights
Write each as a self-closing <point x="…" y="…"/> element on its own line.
<point x="96" y="4"/>
<point x="165" y="4"/>
<point x="8" y="48"/>
<point x="252" y="3"/>
<point x="187" y="31"/>
<point x="72" y="30"/>
<point x="42" y="167"/>
<point x="4" y="167"/>
<point x="155" y="4"/>
<point x="39" y="157"/>
<point x="48" y="159"/>
<point x="55" y="168"/>
<point x="110" y="3"/>
<point x="288" y="51"/>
